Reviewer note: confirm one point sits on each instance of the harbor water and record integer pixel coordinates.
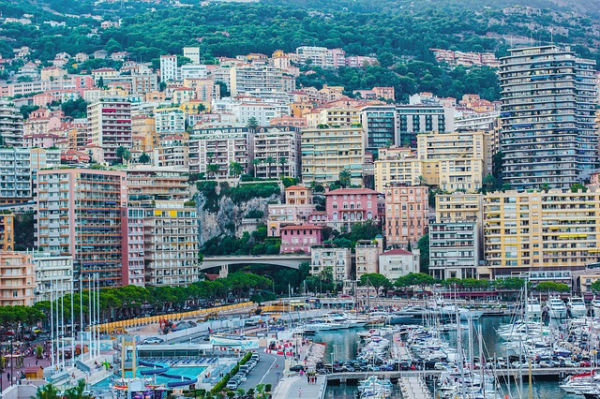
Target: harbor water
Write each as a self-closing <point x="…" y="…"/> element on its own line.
<point x="342" y="345"/>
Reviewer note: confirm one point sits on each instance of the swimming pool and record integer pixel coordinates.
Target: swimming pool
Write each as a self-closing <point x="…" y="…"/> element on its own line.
<point x="190" y="372"/>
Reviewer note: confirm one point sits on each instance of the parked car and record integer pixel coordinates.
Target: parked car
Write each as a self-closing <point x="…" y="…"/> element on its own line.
<point x="153" y="340"/>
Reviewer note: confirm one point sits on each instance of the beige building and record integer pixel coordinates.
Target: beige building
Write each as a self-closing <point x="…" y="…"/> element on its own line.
<point x="147" y="184"/>
<point x="455" y="161"/>
<point x="282" y="147"/>
<point x="459" y="207"/>
<point x="335" y="116"/>
<point x="367" y="256"/>
<point x="17" y="279"/>
<point x="328" y="151"/>
<point x="338" y="259"/>
<point x="406" y="210"/>
<point x="220" y="146"/>
<point x="550" y="231"/>
<point x="143" y="133"/>
<point x="397" y="165"/>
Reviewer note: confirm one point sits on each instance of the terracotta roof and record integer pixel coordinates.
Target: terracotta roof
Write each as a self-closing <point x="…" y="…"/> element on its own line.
<point x="342" y="191"/>
<point x="397" y="252"/>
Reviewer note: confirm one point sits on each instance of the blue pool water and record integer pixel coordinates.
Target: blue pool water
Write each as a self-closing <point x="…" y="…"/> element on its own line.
<point x="191" y="372"/>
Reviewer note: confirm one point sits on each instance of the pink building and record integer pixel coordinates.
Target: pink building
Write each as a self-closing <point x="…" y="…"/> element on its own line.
<point x="346" y="206"/>
<point x="300" y="238"/>
<point x="406" y="209"/>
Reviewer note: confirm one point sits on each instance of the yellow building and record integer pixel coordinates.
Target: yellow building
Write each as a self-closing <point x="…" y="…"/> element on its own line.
<point x="335" y="116"/>
<point x="552" y="231"/>
<point x="454" y="161"/>
<point x="459" y="207"/>
<point x="7" y="233"/>
<point x="328" y="151"/>
<point x="195" y="107"/>
<point x="143" y="133"/>
<point x="396" y="165"/>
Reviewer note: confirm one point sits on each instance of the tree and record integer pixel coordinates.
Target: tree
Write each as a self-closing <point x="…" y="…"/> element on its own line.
<point x="235" y="169"/>
<point x="77" y="391"/>
<point x="595" y="286"/>
<point x="269" y="161"/>
<point x="123" y="153"/>
<point x="282" y="162"/>
<point x="212" y="169"/>
<point x="575" y="187"/>
<point x="423" y="245"/>
<point x="411" y="279"/>
<point x="255" y="163"/>
<point x="144" y="158"/>
<point x="552" y="286"/>
<point x="48" y="391"/>
<point x="252" y="124"/>
<point x="375" y="280"/>
<point x="345" y="178"/>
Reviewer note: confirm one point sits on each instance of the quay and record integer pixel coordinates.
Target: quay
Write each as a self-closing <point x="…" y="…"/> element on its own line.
<point x="557" y="372"/>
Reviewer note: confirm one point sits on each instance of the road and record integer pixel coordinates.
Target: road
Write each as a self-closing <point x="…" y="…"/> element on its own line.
<point x="268" y="370"/>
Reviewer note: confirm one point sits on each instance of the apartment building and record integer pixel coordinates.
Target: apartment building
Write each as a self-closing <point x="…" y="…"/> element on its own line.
<point x="346" y="206"/>
<point x="220" y="145"/>
<point x="366" y="254"/>
<point x="15" y="175"/>
<point x="421" y="118"/>
<point x="328" y="151"/>
<point x="548" y="132"/>
<point x="193" y="53"/>
<point x="334" y="117"/>
<point x="321" y="56"/>
<point x="169" y="71"/>
<point x="395" y="263"/>
<point x="247" y="78"/>
<point x="454" y="249"/>
<point x="455" y="161"/>
<point x="132" y="222"/>
<point x="406" y="217"/>
<point x="110" y="128"/>
<point x="338" y="260"/>
<point x="170" y="120"/>
<point x="148" y="184"/>
<point x="143" y="133"/>
<point x="277" y="152"/>
<point x="11" y="125"/>
<point x="459" y="207"/>
<point x="397" y="165"/>
<point x="53" y="274"/>
<point x="555" y="230"/>
<point x="300" y="238"/>
<point x="17" y="279"/>
<point x="79" y="214"/>
<point x="379" y="123"/>
<point x="171" y="244"/>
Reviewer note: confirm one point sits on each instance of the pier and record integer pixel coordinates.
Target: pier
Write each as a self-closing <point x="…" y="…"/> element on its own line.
<point x="556" y="372"/>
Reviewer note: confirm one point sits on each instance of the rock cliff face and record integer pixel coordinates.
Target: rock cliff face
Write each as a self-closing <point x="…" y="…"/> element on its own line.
<point x="228" y="218"/>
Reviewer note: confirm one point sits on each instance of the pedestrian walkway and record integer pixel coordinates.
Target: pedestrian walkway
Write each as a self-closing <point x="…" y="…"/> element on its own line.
<point x="414" y="388"/>
<point x="297" y="387"/>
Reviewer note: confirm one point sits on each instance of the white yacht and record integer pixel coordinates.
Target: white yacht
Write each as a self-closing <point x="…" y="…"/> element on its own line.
<point x="577" y="307"/>
<point x="533" y="312"/>
<point x="556" y="308"/>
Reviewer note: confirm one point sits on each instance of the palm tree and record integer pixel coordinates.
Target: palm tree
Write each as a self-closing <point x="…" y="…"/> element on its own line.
<point x="76" y="392"/>
<point x="212" y="169"/>
<point x="269" y="161"/>
<point x="283" y="162"/>
<point x="255" y="163"/>
<point x="47" y="392"/>
<point x="235" y="169"/>
<point x="345" y="178"/>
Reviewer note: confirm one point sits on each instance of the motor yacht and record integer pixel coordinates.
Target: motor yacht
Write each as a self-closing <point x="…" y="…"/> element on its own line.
<point x="556" y="308"/>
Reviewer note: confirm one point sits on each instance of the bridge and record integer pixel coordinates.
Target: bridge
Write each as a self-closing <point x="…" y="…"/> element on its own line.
<point x="557" y="372"/>
<point x="292" y="261"/>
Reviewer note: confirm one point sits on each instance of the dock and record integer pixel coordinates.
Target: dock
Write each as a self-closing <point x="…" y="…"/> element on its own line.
<point x="414" y="387"/>
<point x="297" y="387"/>
<point x="557" y="372"/>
